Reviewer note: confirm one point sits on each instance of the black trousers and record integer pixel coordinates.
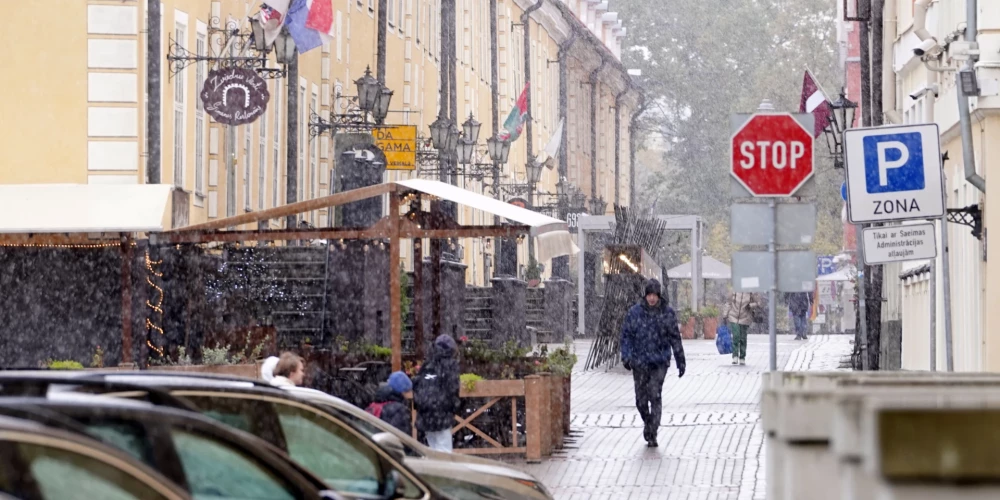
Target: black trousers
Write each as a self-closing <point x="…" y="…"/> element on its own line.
<point x="648" y="380"/>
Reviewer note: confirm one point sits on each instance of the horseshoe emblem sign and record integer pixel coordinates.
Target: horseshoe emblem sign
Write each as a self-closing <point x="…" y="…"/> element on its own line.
<point x="235" y="96"/>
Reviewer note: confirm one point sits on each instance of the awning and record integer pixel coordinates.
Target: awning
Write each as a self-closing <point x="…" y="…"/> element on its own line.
<point x="82" y="208"/>
<point x="845" y="274"/>
<point x="711" y="269"/>
<point x="552" y="235"/>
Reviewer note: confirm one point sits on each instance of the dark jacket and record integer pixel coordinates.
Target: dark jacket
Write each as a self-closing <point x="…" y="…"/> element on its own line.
<point x="798" y="303"/>
<point x="435" y="391"/>
<point x="394" y="409"/>
<point x="650" y="334"/>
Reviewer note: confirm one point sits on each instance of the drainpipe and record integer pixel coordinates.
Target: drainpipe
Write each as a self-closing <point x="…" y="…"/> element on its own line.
<point x="965" y="120"/>
<point x="564" y="101"/>
<point x="593" y="128"/>
<point x="618" y="139"/>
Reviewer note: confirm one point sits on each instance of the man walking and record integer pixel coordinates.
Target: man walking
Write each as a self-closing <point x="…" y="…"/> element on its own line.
<point x="649" y="335"/>
<point x="799" y="304"/>
<point x="739" y="315"/>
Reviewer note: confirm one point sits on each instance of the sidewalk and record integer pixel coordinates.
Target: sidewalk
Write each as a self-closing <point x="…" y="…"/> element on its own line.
<point x="711" y="443"/>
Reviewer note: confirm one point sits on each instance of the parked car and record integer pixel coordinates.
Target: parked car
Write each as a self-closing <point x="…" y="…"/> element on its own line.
<point x="207" y="458"/>
<point x="43" y="463"/>
<point x="346" y="459"/>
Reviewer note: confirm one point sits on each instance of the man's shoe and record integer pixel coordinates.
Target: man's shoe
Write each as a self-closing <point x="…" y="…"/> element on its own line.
<point x="743" y="362"/>
<point x="652" y="443"/>
<point x="736" y="360"/>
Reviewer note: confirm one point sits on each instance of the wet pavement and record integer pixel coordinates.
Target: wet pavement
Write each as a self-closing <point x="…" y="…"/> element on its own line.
<point x="711" y="442"/>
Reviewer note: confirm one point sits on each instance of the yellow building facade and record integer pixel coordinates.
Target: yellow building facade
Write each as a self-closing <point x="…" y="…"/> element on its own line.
<point x="77" y="111"/>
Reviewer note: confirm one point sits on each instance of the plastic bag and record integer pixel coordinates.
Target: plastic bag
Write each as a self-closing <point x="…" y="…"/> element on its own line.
<point x="723" y="339"/>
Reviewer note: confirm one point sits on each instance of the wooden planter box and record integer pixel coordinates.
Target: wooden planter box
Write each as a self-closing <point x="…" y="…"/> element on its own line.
<point x="709" y="326"/>
<point x="687" y="329"/>
<point x="543" y="412"/>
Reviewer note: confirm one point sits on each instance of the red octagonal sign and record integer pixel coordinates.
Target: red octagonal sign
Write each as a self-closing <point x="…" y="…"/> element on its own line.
<point x="772" y="155"/>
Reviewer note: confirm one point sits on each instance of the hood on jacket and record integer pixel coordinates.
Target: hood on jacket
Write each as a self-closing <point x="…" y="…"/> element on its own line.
<point x="385" y="393"/>
<point x="267" y="368"/>
<point x="279" y="381"/>
<point x="400" y="383"/>
<point x="653" y="286"/>
<point x="445" y="345"/>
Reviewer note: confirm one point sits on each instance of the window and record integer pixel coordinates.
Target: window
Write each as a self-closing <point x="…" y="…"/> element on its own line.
<point x="418" y="10"/>
<point x="303" y="137"/>
<point x="126" y="436"/>
<point x="313" y="158"/>
<point x="60" y="473"/>
<point x="180" y="79"/>
<point x="276" y="173"/>
<point x="199" y="118"/>
<point x="371" y="6"/>
<point x="261" y="160"/>
<point x="391" y="17"/>
<point x="399" y="14"/>
<point x="247" y="164"/>
<point x="331" y="451"/>
<point x="213" y="470"/>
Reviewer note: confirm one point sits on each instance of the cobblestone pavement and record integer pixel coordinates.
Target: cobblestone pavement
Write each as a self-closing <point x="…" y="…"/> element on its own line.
<point x="711" y="443"/>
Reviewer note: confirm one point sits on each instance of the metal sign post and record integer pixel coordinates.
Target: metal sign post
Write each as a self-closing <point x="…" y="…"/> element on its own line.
<point x="773" y="158"/>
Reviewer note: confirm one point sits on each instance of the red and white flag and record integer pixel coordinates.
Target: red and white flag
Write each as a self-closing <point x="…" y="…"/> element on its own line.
<point x="320" y="17"/>
<point x="815" y="101"/>
<point x="272" y="16"/>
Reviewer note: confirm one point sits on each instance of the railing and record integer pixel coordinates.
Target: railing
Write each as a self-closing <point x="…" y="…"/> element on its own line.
<point x="543" y="407"/>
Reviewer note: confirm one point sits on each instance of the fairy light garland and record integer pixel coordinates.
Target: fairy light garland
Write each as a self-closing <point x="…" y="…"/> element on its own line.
<point x="48" y="245"/>
<point x="158" y="307"/>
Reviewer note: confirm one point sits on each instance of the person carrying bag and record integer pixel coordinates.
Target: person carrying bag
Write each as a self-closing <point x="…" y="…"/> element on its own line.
<point x="739" y="314"/>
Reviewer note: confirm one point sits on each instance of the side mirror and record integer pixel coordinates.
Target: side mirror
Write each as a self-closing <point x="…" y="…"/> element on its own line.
<point x="391" y="444"/>
<point x="391" y="485"/>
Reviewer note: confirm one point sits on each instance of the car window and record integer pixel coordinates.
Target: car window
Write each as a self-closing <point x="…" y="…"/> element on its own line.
<point x="248" y="415"/>
<point x="338" y="456"/>
<point x="61" y="474"/>
<point x="126" y="436"/>
<point x="461" y="490"/>
<point x="369" y="428"/>
<point x="214" y="470"/>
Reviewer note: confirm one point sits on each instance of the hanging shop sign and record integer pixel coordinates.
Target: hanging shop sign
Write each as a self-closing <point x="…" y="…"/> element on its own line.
<point x="399" y="145"/>
<point x="235" y="96"/>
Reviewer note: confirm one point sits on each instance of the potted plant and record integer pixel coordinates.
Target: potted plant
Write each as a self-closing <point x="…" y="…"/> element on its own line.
<point x="686" y="320"/>
<point x="709" y="321"/>
<point x="533" y="274"/>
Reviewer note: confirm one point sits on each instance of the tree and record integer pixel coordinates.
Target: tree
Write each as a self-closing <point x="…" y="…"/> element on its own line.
<point x="704" y="61"/>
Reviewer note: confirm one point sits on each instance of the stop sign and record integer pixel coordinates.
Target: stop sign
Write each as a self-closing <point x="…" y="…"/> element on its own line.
<point x="772" y="155"/>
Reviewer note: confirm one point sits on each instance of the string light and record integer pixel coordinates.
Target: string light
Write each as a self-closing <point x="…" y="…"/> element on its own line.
<point x="47" y="245"/>
<point x="158" y="308"/>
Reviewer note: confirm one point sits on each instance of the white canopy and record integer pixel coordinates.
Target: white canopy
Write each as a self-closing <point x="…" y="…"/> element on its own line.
<point x="82" y="208"/>
<point x="711" y="269"/>
<point x="552" y="235"/>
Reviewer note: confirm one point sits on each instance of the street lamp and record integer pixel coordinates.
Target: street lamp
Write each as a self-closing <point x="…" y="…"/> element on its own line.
<point x="579" y="199"/>
<point x="453" y="135"/>
<point x="382" y="100"/>
<point x="534" y="172"/>
<point x="499" y="149"/>
<point x="257" y="28"/>
<point x="368" y="91"/>
<point x="598" y="206"/>
<point x="439" y="133"/>
<point x="284" y="47"/>
<point x="843" y="118"/>
<point x="471" y="129"/>
<point x="466" y="149"/>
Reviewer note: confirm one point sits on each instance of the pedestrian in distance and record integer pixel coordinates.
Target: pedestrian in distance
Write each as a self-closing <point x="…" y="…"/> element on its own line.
<point x="435" y="393"/>
<point x="287" y="370"/>
<point x="739" y="314"/>
<point x="649" y="335"/>
<point x="799" y="304"/>
<point x="390" y="402"/>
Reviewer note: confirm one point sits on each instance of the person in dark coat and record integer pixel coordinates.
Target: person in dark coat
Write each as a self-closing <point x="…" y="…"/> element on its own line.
<point x="390" y="402"/>
<point x="435" y="393"/>
<point x="649" y="335"/>
<point x="799" y="304"/>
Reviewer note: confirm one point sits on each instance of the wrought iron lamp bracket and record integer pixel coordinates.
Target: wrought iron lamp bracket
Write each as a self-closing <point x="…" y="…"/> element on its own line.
<point x="971" y="216"/>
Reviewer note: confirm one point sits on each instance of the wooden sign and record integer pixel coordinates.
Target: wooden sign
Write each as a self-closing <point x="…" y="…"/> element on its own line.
<point x="235" y="96"/>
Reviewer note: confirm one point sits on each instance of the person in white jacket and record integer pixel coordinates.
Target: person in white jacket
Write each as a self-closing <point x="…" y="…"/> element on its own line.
<point x="288" y="370"/>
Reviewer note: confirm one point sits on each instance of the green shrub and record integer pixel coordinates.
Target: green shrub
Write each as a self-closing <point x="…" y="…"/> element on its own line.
<point x="65" y="364"/>
<point x="469" y="380"/>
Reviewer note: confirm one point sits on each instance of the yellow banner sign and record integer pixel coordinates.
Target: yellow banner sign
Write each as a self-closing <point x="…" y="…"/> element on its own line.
<point x="399" y="145"/>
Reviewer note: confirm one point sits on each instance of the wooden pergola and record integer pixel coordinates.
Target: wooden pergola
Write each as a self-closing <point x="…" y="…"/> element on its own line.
<point x="415" y="224"/>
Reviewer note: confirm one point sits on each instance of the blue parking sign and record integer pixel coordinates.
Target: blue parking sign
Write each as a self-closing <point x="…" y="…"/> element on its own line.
<point x="894" y="162"/>
<point x="893" y="173"/>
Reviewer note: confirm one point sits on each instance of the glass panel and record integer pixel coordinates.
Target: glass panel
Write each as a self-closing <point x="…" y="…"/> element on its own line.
<point x="63" y="474"/>
<point x="217" y="471"/>
<point x="128" y="436"/>
<point x="331" y="451"/>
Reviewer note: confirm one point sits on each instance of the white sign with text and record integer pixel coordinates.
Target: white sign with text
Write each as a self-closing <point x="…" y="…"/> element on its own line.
<point x="899" y="243"/>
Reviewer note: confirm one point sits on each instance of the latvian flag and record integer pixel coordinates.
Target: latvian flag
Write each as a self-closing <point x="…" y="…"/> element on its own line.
<point x="814" y="101"/>
<point x="515" y="120"/>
